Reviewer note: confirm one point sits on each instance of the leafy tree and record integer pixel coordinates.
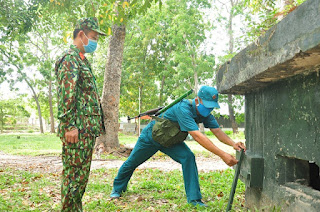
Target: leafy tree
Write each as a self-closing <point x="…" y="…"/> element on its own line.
<point x="20" y="63"/>
<point x="46" y="45"/>
<point x="269" y="13"/>
<point x="17" y="19"/>
<point x="113" y="16"/>
<point x="233" y="9"/>
<point x="10" y="110"/>
<point x="162" y="56"/>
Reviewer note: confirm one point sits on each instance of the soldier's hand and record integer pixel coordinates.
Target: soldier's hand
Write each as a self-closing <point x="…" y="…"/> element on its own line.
<point x="72" y="136"/>
<point x="229" y="159"/>
<point x="239" y="145"/>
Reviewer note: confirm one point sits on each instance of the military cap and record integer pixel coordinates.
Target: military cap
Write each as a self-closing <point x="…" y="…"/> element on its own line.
<point x="209" y="96"/>
<point x="90" y="23"/>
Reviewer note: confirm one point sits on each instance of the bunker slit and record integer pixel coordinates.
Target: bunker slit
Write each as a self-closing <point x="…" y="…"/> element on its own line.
<point x="314" y="173"/>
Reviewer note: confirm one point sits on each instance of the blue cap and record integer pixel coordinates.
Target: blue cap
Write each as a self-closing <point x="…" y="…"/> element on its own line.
<point x="209" y="96"/>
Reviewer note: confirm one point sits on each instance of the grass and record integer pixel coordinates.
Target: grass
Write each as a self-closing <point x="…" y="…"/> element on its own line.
<point x="50" y="144"/>
<point x="30" y="144"/>
<point x="148" y="190"/>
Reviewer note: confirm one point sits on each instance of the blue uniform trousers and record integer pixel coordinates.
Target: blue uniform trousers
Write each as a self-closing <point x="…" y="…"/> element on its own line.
<point x="145" y="148"/>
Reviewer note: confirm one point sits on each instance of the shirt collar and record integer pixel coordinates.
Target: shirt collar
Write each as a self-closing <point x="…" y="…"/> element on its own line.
<point x="194" y="110"/>
<point x="77" y="50"/>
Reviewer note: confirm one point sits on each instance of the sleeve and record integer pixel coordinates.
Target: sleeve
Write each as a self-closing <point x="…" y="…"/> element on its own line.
<point x="210" y="122"/>
<point x="67" y="77"/>
<point x="185" y="120"/>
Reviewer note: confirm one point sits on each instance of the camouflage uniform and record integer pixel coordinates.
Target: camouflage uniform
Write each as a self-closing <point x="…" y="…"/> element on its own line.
<point x="78" y="108"/>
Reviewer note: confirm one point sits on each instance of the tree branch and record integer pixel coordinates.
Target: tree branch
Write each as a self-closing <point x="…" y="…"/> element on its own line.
<point x="37" y="46"/>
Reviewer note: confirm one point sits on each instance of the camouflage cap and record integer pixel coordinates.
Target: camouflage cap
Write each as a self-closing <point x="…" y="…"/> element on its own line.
<point x="89" y="23"/>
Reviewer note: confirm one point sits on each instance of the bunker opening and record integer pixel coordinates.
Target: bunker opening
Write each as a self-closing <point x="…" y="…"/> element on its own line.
<point x="314" y="173"/>
<point x="300" y="172"/>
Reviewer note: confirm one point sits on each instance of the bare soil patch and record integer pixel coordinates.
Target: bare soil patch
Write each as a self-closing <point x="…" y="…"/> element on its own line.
<point x="52" y="164"/>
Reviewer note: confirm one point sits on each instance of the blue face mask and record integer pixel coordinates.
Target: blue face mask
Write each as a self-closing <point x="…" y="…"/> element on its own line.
<point x="91" y="47"/>
<point x="203" y="110"/>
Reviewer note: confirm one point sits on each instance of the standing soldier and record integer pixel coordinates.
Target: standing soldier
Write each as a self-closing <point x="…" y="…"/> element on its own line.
<point x="79" y="112"/>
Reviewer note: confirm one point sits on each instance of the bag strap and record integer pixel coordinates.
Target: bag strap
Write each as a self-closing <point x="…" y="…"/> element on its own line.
<point x="156" y="118"/>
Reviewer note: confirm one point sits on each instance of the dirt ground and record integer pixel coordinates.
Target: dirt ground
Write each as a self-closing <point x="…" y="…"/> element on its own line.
<point x="50" y="164"/>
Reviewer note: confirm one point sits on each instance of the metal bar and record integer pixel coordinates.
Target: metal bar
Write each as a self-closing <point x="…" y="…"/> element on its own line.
<point x="235" y="181"/>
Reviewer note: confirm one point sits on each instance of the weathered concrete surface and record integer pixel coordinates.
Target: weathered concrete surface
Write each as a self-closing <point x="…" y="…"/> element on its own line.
<point x="280" y="79"/>
<point x="291" y="47"/>
<point x="283" y="128"/>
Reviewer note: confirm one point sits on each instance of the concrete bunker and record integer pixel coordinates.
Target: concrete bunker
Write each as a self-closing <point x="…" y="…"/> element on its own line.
<point x="280" y="78"/>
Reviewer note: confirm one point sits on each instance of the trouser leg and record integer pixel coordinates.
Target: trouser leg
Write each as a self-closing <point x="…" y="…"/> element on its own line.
<point x="142" y="151"/>
<point x="75" y="175"/>
<point x="183" y="155"/>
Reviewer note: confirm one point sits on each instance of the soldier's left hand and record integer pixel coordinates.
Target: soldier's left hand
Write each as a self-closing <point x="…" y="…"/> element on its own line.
<point x="239" y="146"/>
<point x="72" y="136"/>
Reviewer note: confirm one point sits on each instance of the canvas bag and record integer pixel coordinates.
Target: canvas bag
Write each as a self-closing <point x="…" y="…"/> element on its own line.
<point x="167" y="133"/>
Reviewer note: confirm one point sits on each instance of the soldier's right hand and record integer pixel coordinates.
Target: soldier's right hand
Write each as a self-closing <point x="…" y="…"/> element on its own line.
<point x="229" y="159"/>
<point x="71" y="136"/>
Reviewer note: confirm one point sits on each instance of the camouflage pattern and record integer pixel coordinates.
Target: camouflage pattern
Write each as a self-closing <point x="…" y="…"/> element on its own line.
<point x="75" y="174"/>
<point x="89" y="24"/>
<point x="78" y="99"/>
<point x="78" y="108"/>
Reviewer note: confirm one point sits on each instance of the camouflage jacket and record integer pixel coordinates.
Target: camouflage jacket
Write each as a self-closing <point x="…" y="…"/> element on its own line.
<point x="78" y="100"/>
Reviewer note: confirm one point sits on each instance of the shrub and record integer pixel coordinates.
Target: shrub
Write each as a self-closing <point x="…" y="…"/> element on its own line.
<point x="228" y="132"/>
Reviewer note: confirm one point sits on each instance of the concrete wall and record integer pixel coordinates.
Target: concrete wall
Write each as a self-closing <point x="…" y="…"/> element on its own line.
<point x="287" y="49"/>
<point x="284" y="129"/>
<point x="279" y="76"/>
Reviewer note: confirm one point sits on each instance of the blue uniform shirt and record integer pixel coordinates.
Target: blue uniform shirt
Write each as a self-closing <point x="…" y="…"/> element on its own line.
<point x="186" y="115"/>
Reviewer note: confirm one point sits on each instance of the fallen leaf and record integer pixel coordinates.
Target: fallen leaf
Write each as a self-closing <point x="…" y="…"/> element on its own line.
<point x="140" y="198"/>
<point x="21" y="189"/>
<point x="25" y="202"/>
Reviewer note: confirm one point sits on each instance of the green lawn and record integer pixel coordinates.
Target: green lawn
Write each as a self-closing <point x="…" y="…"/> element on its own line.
<point x="49" y="144"/>
<point x="30" y="144"/>
<point x="40" y="144"/>
<point x="148" y="190"/>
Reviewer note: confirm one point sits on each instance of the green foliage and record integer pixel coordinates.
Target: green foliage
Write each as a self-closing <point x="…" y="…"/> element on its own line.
<point x="268" y="12"/>
<point x="162" y="56"/>
<point x="228" y="132"/>
<point x="18" y="17"/>
<point x="10" y="111"/>
<point x="108" y="12"/>
<point x="240" y="117"/>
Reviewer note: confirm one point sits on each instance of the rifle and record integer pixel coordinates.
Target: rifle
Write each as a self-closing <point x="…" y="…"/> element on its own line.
<point x="149" y="113"/>
<point x="159" y="110"/>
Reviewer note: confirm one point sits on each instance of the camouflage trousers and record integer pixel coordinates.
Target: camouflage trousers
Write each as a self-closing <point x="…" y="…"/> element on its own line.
<point x="76" y="168"/>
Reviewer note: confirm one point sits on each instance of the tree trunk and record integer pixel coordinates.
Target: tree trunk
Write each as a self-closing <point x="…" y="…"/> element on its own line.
<point x="2" y="119"/>
<point x="51" y="108"/>
<point x="161" y="102"/>
<point x="39" y="112"/>
<point x="38" y="105"/>
<point x="111" y="87"/>
<point x="231" y="115"/>
<point x="196" y="82"/>
<point x="288" y="2"/>
<point x="196" y="85"/>
<point x="231" y="46"/>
